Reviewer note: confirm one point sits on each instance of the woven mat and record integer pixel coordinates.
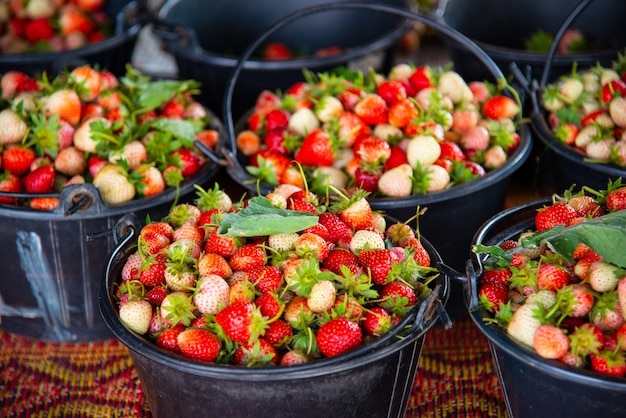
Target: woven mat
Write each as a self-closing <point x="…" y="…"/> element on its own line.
<point x="456" y="378"/>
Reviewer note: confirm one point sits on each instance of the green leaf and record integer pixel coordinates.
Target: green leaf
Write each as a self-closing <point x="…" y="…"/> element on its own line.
<point x="606" y="235"/>
<point x="156" y="93"/>
<point x="261" y="218"/>
<point x="184" y="130"/>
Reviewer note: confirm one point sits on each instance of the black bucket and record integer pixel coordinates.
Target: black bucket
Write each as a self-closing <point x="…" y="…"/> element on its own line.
<point x="500" y="29"/>
<point x="206" y="38"/>
<point x="112" y="53"/>
<point x="53" y="260"/>
<point x="375" y="380"/>
<point x="568" y="167"/>
<point x="452" y="215"/>
<point x="534" y="386"/>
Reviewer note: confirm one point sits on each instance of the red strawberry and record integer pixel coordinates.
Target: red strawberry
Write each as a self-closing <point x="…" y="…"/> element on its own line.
<point x="366" y="179"/>
<point x="210" y="263"/>
<point x="422" y="78"/>
<point x="74" y="20"/>
<point x="65" y="103"/>
<point x="378" y="262"/>
<point x="190" y="162"/>
<point x="265" y="278"/>
<point x="402" y="112"/>
<point x="397" y="296"/>
<point x="491" y="295"/>
<point x="391" y="91"/>
<point x="152" y="274"/>
<point x="550" y="342"/>
<point x="39" y="29"/>
<point x="275" y="140"/>
<point x="552" y="276"/>
<point x="156" y="295"/>
<point x="199" y="344"/>
<point x="356" y="211"/>
<point x="609" y="363"/>
<point x="269" y="305"/>
<point x="338" y="230"/>
<point x="247" y="257"/>
<point x="372" y="109"/>
<point x="316" y="150"/>
<point x="498" y="107"/>
<point x="17" y="159"/>
<point x="14" y="82"/>
<point x="397" y="157"/>
<point x="616" y="199"/>
<point x="559" y="213"/>
<point x="377" y="322"/>
<point x="257" y="354"/>
<point x="612" y="89"/>
<point x="372" y="150"/>
<point x="338" y="336"/>
<point x="168" y="338"/>
<point x="40" y="180"/>
<point x="276" y="119"/>
<point x="220" y="244"/>
<point x="44" y="203"/>
<point x="337" y="258"/>
<point x="9" y="183"/>
<point x="278" y="333"/>
<point x="241" y="321"/>
<point x="277" y="51"/>
<point x="268" y="165"/>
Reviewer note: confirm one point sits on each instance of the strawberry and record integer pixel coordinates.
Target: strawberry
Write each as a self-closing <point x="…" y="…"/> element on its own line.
<point x="338" y="336"/>
<point x="113" y="184"/>
<point x="550" y="342"/>
<point x="189" y="161"/>
<point x="356" y="211"/>
<point x="328" y="108"/>
<point x="265" y="278"/>
<point x="221" y="245"/>
<point x="397" y="182"/>
<point x="268" y="165"/>
<point x="372" y="109"/>
<point x="377" y="322"/>
<point x="316" y="150"/>
<point x="73" y="19"/>
<point x="606" y="312"/>
<point x="491" y="295"/>
<point x="583" y="300"/>
<point x="156" y="295"/>
<point x="212" y="294"/>
<point x="397" y="157"/>
<point x="17" y="159"/>
<point x="322" y="296"/>
<point x="453" y="86"/>
<point x="199" y="344"/>
<point x="87" y="81"/>
<point x="422" y="78"/>
<point x="586" y="206"/>
<point x="366" y="239"/>
<point x="168" y="338"/>
<point x="552" y="276"/>
<point x="366" y="179"/>
<point x="559" y="213"/>
<point x="14" y="128"/>
<point x="278" y="333"/>
<point x="9" y="183"/>
<point x="608" y="363"/>
<point x="311" y="245"/>
<point x="247" y="257"/>
<point x="613" y="89"/>
<point x="616" y="199"/>
<point x="603" y="276"/>
<point x="136" y="315"/>
<point x="257" y="354"/>
<point x="338" y="229"/>
<point x="70" y="161"/>
<point x="401" y="113"/>
<point x="523" y="324"/>
<point x="241" y="321"/>
<point x="423" y="150"/>
<point x="372" y="150"/>
<point x="276" y="51"/>
<point x="44" y="203"/>
<point x="40" y="180"/>
<point x="476" y="138"/>
<point x="293" y="357"/>
<point x="151" y="182"/>
<point x="378" y="262"/>
<point x="39" y="29"/>
<point x="391" y="91"/>
<point x="397" y="297"/>
<point x="338" y="257"/>
<point x="65" y="103"/>
<point x="14" y="82"/>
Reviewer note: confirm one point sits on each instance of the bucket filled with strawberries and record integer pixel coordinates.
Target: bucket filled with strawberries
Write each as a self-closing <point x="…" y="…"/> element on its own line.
<point x="285" y="303"/>
<point x="78" y="152"/>
<point x="48" y="35"/>
<point x="580" y="117"/>
<point x="422" y="141"/>
<point x="547" y="287"/>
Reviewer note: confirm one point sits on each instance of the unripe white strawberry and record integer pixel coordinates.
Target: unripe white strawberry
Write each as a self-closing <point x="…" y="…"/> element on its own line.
<point x="65" y="103"/>
<point x="378" y="222"/>
<point x="422" y="149"/>
<point x="607" y="318"/>
<point x="495" y="157"/>
<point x="401" y="71"/>
<point x="600" y="150"/>
<point x="195" y="110"/>
<point x="114" y="185"/>
<point x="464" y="119"/>
<point x="83" y="139"/>
<point x="607" y="75"/>
<point x="328" y="109"/>
<point x="523" y="324"/>
<point x="332" y="176"/>
<point x="70" y="161"/>
<point x="13" y="127"/>
<point x="322" y="296"/>
<point x="283" y="242"/>
<point x="130" y="271"/>
<point x="571" y="89"/>
<point x="136" y="315"/>
<point x="586" y="135"/>
<point x="591" y="82"/>
<point x="278" y="200"/>
<point x="286" y="190"/>
<point x="396" y="182"/>
<point x="36" y="9"/>
<point x="544" y="297"/>
<point x="387" y="131"/>
<point x="212" y="294"/>
<point x="303" y="121"/>
<point x="617" y="109"/>
<point x="134" y="153"/>
<point x="439" y="178"/>
<point x="424" y="97"/>
<point x="293" y="357"/>
<point x="179" y="280"/>
<point x="603" y="276"/>
<point x="365" y="238"/>
<point x="621" y="295"/>
<point x="452" y="85"/>
<point x="27" y="100"/>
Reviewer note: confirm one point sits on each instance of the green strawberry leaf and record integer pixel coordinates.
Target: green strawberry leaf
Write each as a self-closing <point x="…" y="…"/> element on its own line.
<point x="261" y="218"/>
<point x="184" y="130"/>
<point x="606" y="235"/>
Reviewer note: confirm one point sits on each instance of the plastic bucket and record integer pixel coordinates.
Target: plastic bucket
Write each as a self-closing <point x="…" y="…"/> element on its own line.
<point x="374" y="380"/>
<point x="53" y="261"/>
<point x="112" y="54"/>
<point x="534" y="386"/>
<point x="452" y="215"/>
<point x="206" y="38"/>
<point x="500" y="29"/>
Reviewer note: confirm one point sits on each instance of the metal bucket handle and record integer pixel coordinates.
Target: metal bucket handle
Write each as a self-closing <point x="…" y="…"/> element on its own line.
<point x="235" y="169"/>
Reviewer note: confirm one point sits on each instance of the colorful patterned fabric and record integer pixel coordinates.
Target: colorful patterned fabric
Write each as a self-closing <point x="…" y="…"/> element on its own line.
<point x="456" y="378"/>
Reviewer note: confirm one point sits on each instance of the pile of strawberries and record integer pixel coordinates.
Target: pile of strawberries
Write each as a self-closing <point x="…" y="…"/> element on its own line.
<point x="586" y="111"/>
<point x="415" y="131"/>
<point x="278" y="279"/>
<point x="131" y="137"/>
<point x="38" y="26"/>
<point x="565" y="295"/>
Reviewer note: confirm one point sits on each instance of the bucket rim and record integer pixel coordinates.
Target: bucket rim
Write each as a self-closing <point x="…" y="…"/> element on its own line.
<point x="498" y="338"/>
<point x="363" y="355"/>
